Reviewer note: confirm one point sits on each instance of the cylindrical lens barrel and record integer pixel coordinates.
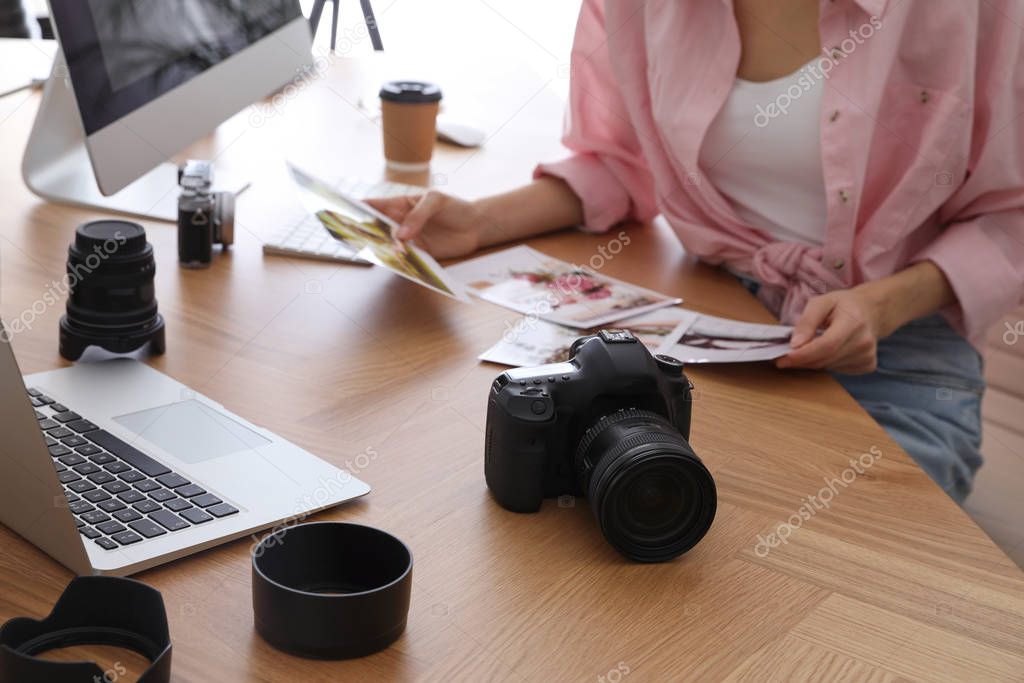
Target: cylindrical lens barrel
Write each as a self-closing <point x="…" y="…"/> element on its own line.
<point x="652" y="496"/>
<point x="111" y="293"/>
<point x="110" y="276"/>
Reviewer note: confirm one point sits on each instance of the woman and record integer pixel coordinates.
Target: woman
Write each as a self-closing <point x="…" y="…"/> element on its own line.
<point x="858" y="163"/>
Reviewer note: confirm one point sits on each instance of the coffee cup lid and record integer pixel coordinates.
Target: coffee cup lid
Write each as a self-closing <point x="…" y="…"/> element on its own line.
<point x="410" y="92"/>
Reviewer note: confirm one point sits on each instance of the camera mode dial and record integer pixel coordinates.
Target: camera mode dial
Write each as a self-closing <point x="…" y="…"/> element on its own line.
<point x="669" y="365"/>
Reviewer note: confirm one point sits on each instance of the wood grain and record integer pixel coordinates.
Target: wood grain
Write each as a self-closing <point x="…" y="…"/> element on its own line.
<point x="891" y="582"/>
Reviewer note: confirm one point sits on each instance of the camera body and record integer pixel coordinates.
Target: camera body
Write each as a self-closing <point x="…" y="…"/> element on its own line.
<point x="537" y="418"/>
<point x="205" y="217"/>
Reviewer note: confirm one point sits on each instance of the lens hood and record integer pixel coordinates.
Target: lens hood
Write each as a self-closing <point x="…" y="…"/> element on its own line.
<point x="331" y="590"/>
<point x="93" y="610"/>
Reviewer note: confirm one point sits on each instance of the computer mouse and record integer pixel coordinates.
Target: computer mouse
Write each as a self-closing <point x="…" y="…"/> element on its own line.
<point x="459" y="133"/>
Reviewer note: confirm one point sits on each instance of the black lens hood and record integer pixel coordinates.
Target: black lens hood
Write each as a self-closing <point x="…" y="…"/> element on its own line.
<point x="92" y="610"/>
<point x="331" y="590"/>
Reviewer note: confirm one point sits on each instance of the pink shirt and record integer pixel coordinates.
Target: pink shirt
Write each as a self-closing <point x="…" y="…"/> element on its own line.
<point x="922" y="144"/>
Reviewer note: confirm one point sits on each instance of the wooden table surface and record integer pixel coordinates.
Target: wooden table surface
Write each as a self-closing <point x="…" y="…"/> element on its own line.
<point x="891" y="582"/>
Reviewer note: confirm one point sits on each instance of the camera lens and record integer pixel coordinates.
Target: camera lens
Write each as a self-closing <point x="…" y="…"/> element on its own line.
<point x="111" y="298"/>
<point x="651" y="495"/>
<point x="111" y="270"/>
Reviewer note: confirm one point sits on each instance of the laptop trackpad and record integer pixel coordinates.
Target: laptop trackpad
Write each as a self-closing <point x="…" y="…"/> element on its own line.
<point x="191" y="431"/>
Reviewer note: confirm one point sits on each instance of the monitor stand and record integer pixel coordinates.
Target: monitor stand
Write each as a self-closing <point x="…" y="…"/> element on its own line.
<point x="56" y="165"/>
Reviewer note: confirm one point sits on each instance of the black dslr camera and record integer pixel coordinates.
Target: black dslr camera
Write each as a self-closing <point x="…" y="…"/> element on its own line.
<point x="205" y="217"/>
<point x="611" y="424"/>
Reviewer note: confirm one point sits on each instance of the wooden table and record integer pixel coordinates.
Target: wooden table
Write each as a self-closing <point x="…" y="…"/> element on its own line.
<point x="892" y="581"/>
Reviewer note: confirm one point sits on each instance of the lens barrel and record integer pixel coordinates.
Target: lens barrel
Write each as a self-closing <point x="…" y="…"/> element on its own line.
<point x="112" y="298"/>
<point x="652" y="496"/>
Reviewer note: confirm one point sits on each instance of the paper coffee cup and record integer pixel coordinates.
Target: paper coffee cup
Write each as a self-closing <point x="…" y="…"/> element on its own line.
<point x="409" y="113"/>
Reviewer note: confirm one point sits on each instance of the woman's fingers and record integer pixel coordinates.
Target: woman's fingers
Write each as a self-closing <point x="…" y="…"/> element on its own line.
<point x="814" y="316"/>
<point x="426" y="208"/>
<point x="395" y="208"/>
<point x="824" y="350"/>
<point x="849" y="342"/>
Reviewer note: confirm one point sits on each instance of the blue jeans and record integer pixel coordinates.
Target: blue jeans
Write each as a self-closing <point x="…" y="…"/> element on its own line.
<point x="926" y="393"/>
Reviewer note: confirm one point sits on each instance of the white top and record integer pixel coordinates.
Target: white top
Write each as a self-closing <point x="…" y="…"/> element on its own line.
<point x="763" y="153"/>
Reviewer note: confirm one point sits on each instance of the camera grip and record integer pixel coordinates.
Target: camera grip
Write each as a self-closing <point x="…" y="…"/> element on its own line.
<point x="515" y="456"/>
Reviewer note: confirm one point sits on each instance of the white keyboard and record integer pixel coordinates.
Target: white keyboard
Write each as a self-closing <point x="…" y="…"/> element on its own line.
<point x="309" y="239"/>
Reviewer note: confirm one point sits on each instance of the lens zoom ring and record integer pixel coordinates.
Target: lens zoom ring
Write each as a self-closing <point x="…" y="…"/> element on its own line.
<point x="607" y="421"/>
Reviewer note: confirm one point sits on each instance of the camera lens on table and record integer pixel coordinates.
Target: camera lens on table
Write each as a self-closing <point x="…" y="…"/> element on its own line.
<point x="650" y="493"/>
<point x="112" y="298"/>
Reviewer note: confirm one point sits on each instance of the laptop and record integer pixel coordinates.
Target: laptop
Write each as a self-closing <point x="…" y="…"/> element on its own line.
<point x="113" y="467"/>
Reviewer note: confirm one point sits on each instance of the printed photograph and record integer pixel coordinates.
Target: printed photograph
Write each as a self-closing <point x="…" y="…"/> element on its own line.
<point x="530" y="282"/>
<point x="710" y="339"/>
<point x="530" y="342"/>
<point x="369" y="234"/>
<point x="390" y="253"/>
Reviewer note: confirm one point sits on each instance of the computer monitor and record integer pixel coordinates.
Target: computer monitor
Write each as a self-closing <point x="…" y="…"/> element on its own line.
<point x="136" y="81"/>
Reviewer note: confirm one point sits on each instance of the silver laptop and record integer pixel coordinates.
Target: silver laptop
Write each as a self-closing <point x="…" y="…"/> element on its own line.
<point x="112" y="468"/>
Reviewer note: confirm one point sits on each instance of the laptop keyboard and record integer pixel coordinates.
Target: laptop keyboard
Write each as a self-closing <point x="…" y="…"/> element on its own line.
<point x="118" y="494"/>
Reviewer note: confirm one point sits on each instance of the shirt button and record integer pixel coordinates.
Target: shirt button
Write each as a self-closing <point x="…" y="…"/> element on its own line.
<point x="838" y="264"/>
<point x="834" y="116"/>
<point x="925" y="97"/>
<point x="844" y="196"/>
<point x="837" y="53"/>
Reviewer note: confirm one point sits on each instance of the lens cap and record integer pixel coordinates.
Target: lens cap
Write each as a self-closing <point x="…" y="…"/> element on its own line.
<point x="331" y="590"/>
<point x="117" y="238"/>
<point x="410" y="92"/>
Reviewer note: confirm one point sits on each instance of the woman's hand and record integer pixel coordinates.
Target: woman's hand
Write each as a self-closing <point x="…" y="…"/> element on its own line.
<point x="443" y="225"/>
<point x="851" y="322"/>
<point x="448" y="227"/>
